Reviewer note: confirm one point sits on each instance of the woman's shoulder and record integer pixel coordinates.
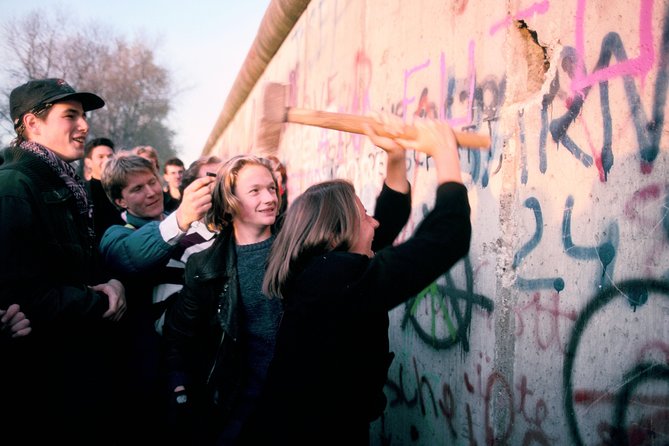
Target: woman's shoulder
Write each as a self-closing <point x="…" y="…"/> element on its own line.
<point x="338" y="258"/>
<point x="328" y="279"/>
<point x="335" y="268"/>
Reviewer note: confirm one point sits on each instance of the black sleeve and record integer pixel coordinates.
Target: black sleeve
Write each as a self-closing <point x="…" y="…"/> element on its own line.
<point x="181" y="321"/>
<point x="392" y="212"/>
<point x="442" y="238"/>
<point x="51" y="292"/>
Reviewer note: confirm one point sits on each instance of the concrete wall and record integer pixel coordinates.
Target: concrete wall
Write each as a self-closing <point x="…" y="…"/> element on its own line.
<point x="555" y="329"/>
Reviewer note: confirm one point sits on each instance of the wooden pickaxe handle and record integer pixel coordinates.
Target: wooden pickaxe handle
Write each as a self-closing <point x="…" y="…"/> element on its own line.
<point x="354" y="124"/>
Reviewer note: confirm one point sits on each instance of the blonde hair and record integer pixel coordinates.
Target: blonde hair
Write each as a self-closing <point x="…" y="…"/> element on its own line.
<point x="147" y="152"/>
<point x="277" y="166"/>
<point x="224" y="202"/>
<point x="322" y="219"/>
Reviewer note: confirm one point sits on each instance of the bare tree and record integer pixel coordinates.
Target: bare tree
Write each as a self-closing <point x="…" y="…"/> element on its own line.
<point x="136" y="89"/>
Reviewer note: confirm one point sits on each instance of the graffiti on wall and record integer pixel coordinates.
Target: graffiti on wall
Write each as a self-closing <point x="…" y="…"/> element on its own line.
<point x="598" y="289"/>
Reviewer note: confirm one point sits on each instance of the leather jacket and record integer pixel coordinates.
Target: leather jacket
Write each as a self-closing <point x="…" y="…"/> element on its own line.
<point x="202" y="327"/>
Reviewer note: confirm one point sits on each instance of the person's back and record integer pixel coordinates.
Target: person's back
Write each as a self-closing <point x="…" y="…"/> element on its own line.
<point x="338" y="274"/>
<point x="56" y="379"/>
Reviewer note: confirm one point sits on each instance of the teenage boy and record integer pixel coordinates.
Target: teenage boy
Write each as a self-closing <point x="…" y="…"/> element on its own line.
<point x="145" y="253"/>
<point x="55" y="380"/>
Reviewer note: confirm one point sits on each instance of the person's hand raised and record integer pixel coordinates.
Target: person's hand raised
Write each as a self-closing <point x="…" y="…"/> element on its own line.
<point x="195" y="203"/>
<point x="384" y="132"/>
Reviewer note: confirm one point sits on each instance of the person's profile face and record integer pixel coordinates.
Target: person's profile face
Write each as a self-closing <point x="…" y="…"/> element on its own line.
<point x="368" y="224"/>
<point x="63" y="130"/>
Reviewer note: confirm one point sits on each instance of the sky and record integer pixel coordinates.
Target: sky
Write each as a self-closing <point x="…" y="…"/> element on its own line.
<point x="202" y="42"/>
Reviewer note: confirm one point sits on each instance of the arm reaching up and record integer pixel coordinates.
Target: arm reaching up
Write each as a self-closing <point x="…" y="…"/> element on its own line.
<point x="434" y="138"/>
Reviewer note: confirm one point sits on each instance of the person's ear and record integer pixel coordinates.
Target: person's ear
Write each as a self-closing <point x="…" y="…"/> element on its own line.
<point x="120" y="202"/>
<point x="89" y="163"/>
<point x="31" y="123"/>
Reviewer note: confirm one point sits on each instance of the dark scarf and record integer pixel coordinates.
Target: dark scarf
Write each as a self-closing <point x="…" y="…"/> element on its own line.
<point x="68" y="175"/>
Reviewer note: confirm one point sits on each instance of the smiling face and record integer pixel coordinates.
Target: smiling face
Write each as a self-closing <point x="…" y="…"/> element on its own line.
<point x="368" y="224"/>
<point x="63" y="131"/>
<point x="256" y="191"/>
<point x="142" y="196"/>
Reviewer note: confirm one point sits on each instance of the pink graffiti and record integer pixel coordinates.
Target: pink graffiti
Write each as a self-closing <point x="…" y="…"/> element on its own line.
<point x="637" y="210"/>
<point x="520" y="401"/>
<point x="498" y="385"/>
<point x="588" y="397"/>
<point x="659" y="346"/>
<point x="536" y="311"/>
<point x="442" y="85"/>
<point x="471" y="74"/>
<point x="329" y="95"/>
<point x="640" y="197"/>
<point x="407" y="75"/>
<point x="363" y="80"/>
<point x="639" y="66"/>
<point x="458" y="6"/>
<point x="537" y="8"/>
<point x="292" y="91"/>
<point x="468" y="118"/>
<point x="596" y="153"/>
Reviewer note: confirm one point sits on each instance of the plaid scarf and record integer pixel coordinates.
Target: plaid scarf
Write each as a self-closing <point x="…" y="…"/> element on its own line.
<point x="68" y="175"/>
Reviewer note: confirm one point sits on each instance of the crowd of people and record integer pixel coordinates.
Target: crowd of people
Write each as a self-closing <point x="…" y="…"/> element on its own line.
<point x="194" y="306"/>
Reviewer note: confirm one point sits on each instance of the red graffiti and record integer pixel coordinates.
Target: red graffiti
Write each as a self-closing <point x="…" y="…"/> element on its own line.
<point x="536" y="312"/>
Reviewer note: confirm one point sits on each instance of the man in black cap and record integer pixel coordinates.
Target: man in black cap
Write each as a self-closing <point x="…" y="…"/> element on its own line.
<point x="55" y="380"/>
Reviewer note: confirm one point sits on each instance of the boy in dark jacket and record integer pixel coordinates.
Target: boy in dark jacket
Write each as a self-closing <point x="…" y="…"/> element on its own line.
<point x="57" y="377"/>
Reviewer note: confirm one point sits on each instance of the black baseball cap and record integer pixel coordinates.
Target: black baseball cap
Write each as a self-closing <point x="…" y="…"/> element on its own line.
<point x="32" y="94"/>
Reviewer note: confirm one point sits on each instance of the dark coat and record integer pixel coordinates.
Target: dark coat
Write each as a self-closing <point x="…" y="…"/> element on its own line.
<point x="58" y="372"/>
<point x="325" y="384"/>
<point x="105" y="213"/>
<point x="202" y="327"/>
<point x="47" y="257"/>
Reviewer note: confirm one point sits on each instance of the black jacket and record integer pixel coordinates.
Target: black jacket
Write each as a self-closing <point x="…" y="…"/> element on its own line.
<point x="57" y="373"/>
<point x="331" y="360"/>
<point x="105" y="214"/>
<point x="47" y="258"/>
<point x="201" y="328"/>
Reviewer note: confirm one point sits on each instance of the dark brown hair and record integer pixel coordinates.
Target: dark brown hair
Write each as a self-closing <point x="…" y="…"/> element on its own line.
<point x="323" y="218"/>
